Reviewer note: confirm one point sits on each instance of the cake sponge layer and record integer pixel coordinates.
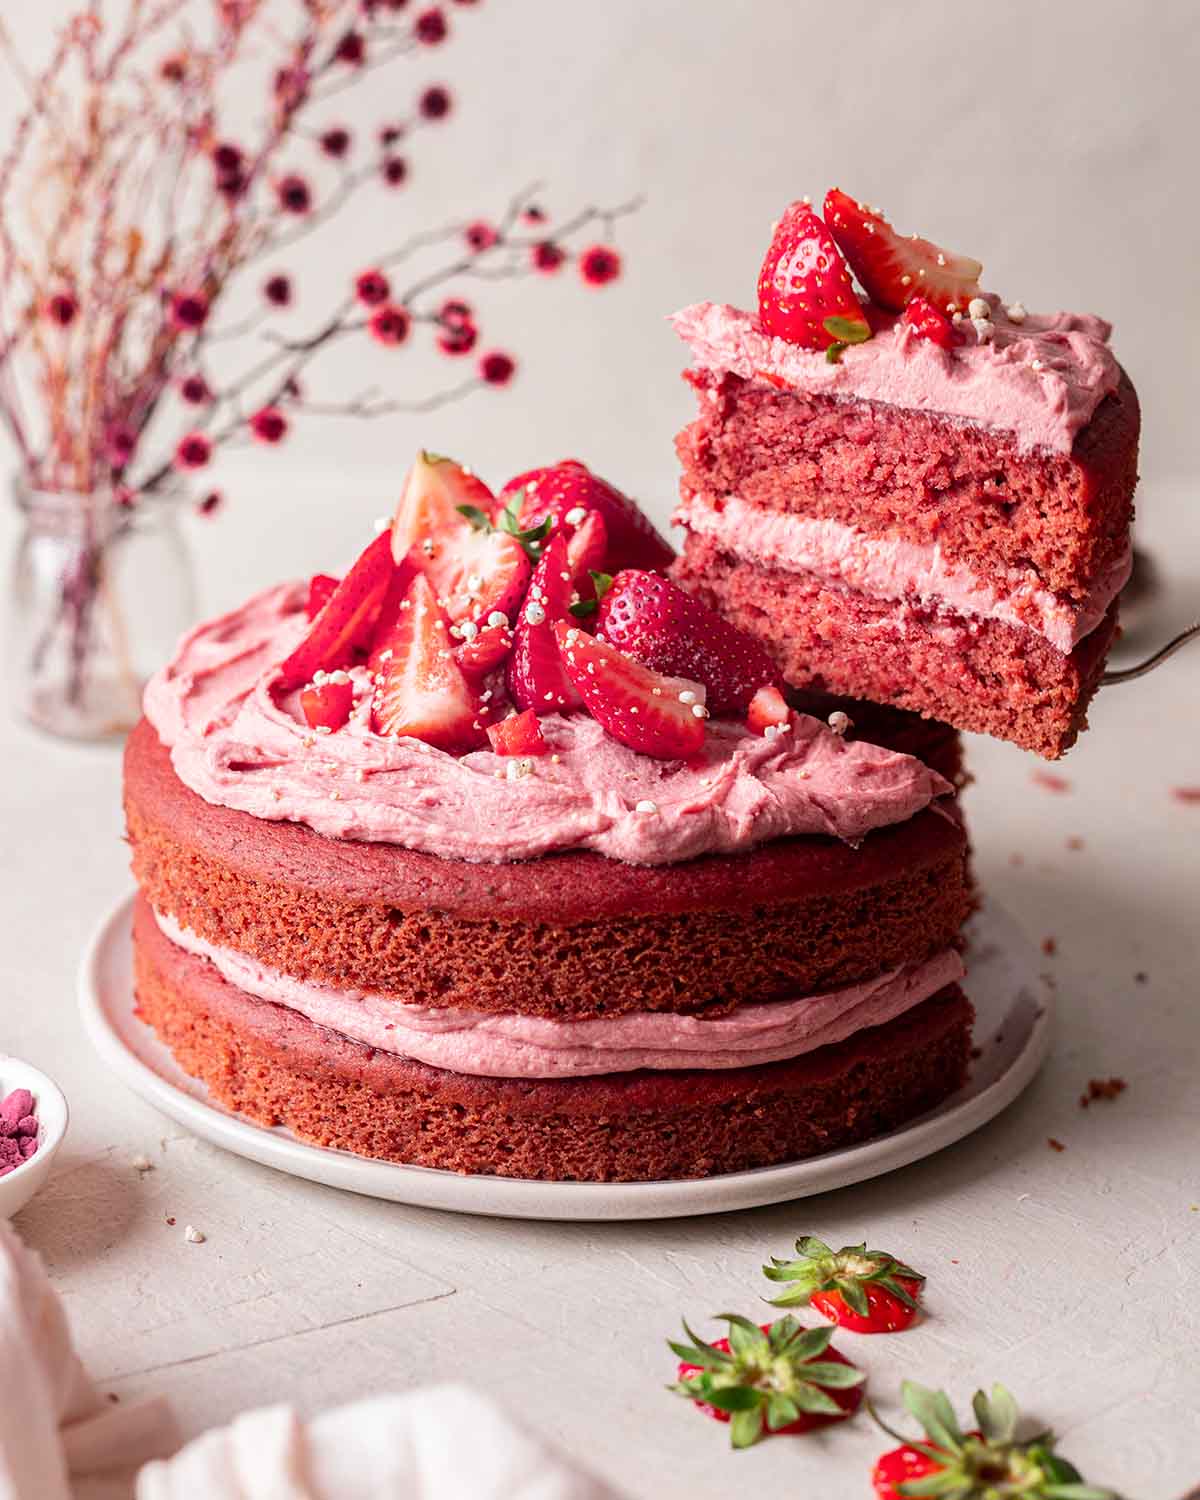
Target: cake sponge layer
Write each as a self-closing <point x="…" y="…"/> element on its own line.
<point x="279" y="1069"/>
<point x="980" y="675"/>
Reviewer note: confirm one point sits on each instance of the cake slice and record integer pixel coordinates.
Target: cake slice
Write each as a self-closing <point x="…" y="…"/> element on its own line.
<point x="925" y="502"/>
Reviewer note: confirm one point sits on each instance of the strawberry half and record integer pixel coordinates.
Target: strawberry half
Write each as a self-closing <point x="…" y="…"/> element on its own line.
<point x="320" y="590"/>
<point x="419" y="687"/>
<point x="475" y="572"/>
<point x="893" y="269"/>
<point x="327" y="700"/>
<point x="771" y="1378"/>
<point x="537" y="678"/>
<point x="867" y="1291"/>
<point x="520" y="734"/>
<point x="345" y="623"/>
<point x="565" y="492"/>
<point x="653" y="714"/>
<point x="927" y="323"/>
<point x="654" y="621"/>
<point x="804" y="290"/>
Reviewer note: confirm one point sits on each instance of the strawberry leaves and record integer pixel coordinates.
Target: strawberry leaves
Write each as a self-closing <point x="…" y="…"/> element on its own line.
<point x="830" y="1278"/>
<point x="601" y="583"/>
<point x="765" y="1379"/>
<point x="508" y="520"/>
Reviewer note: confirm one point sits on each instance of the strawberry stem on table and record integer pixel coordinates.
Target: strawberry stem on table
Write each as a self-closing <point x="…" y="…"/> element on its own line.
<point x="850" y="1271"/>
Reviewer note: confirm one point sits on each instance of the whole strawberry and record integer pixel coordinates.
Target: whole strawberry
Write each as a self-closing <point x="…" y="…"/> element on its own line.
<point x="654" y="621"/>
<point x="804" y="290"/>
<point x="988" y="1463"/>
<point x="867" y="1291"/>
<point x="564" y="494"/>
<point x="775" y="1378"/>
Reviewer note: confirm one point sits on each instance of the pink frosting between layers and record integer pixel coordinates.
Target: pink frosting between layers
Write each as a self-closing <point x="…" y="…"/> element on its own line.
<point x="515" y="1046"/>
<point x="237" y="744"/>
<point x="1040" y="379"/>
<point x="894" y="568"/>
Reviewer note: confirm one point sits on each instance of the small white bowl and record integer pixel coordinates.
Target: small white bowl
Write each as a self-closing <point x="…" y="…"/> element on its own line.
<point x="50" y="1106"/>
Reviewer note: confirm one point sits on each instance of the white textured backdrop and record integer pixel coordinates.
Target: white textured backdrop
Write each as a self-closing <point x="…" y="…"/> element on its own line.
<point x="1055" y="141"/>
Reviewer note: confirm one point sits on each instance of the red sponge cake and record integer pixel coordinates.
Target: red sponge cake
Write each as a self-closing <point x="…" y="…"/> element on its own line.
<point x="925" y="503"/>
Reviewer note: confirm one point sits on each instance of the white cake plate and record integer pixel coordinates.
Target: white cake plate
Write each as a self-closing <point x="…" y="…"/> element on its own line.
<point x="1012" y="1029"/>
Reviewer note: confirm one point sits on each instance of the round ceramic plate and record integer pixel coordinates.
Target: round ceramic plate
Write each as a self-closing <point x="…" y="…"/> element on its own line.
<point x="1012" y="1030"/>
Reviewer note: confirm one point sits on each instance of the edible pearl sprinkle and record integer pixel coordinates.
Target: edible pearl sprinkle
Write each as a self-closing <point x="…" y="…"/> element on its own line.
<point x="646" y="806"/>
<point x="839" y="722"/>
<point x="979" y="308"/>
<point x="534" y="613"/>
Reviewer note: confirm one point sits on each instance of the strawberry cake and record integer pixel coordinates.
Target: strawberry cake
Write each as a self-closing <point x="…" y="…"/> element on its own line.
<point x="503" y="854"/>
<point x="915" y="493"/>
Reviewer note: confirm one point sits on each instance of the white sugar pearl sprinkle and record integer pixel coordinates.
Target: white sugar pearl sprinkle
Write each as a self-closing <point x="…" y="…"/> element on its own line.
<point x="534" y="613"/>
<point x="497" y="618"/>
<point x="979" y="307"/>
<point x="646" y="806"/>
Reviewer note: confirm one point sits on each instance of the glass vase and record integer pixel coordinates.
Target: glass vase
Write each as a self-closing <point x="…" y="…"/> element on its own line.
<point x="101" y="591"/>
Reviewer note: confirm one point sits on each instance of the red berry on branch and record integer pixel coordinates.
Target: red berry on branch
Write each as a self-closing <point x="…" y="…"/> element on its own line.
<point x="431" y="27"/>
<point x="435" y="102"/>
<point x="390" y="134"/>
<point x="533" y="214"/>
<point x="172" y="69"/>
<point x="119" y="443"/>
<point x="269" y="425"/>
<point x="395" y="5"/>
<point x="458" y="338"/>
<point x="189" y="311"/>
<point x="294" y="194"/>
<point x="194" y="451"/>
<point x="599" y="265"/>
<point x="194" y="390"/>
<point x="227" y="157"/>
<point x="497" y="368"/>
<point x="395" y="171"/>
<point x="371" y="288"/>
<point x="351" y="49"/>
<point x="212" y="501"/>
<point x="456" y="311"/>
<point x="278" y="290"/>
<point x="389" y="324"/>
<point x="480" y="235"/>
<point x="61" y="309"/>
<point x="548" y="257"/>
<point x="335" y="142"/>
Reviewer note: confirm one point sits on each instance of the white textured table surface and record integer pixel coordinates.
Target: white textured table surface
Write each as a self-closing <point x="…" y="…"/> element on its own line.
<point x="1070" y="1276"/>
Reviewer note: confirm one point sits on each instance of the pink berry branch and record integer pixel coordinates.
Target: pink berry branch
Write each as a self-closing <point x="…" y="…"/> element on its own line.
<point x="129" y="213"/>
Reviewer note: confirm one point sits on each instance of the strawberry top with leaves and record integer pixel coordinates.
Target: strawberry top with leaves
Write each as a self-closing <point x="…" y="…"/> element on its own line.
<point x="772" y="1378"/>
<point x="867" y="1291"/>
<point x="804" y="289"/>
<point x="893" y="269"/>
<point x="987" y="1463"/>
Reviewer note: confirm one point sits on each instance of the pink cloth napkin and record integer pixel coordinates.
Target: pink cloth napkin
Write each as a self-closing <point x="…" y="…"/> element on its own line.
<point x="61" y="1440"/>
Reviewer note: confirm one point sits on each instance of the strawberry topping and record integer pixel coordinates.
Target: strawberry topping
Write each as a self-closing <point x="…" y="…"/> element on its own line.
<point x="893" y="269"/>
<point x="475" y="571"/>
<point x="927" y="323"/>
<point x="520" y="734"/>
<point x="485" y="651"/>
<point x="327" y="700"/>
<point x="346" y="622"/>
<point x="654" y="621"/>
<point x="565" y="492"/>
<point x="804" y="290"/>
<point x="320" y="587"/>
<point x="420" y="689"/>
<point x="768" y="710"/>
<point x="653" y="714"/>
<point x="537" y="678"/>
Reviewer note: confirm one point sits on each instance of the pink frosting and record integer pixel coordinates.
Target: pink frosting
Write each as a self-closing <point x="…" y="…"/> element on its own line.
<point x="1040" y="379"/>
<point x="238" y="744"/>
<point x="515" y="1046"/>
<point x="894" y="568"/>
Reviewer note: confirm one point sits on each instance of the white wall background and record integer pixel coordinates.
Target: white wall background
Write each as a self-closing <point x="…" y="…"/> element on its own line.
<point x="1054" y="139"/>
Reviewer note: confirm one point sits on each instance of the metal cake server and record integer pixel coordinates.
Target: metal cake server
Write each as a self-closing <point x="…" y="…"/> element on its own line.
<point x="1127" y="674"/>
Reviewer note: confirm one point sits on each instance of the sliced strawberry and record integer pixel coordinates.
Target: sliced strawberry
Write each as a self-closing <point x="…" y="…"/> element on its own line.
<point x="442" y="522"/>
<point x="587" y="549"/>
<point x="570" y="490"/>
<point x="419" y="688"/>
<point x="893" y="269"/>
<point x="652" y="620"/>
<point x="484" y="652"/>
<point x="537" y="678"/>
<point x="804" y="290"/>
<point x="768" y="709"/>
<point x="520" y="734"/>
<point x="927" y="323"/>
<point x="327" y="700"/>
<point x="643" y="709"/>
<point x="320" y="587"/>
<point x="346" y="622"/>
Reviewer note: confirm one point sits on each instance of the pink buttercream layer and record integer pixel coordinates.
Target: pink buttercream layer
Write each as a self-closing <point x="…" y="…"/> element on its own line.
<point x="515" y="1046"/>
<point x="894" y="568"/>
<point x="1041" y="378"/>
<point x="237" y="742"/>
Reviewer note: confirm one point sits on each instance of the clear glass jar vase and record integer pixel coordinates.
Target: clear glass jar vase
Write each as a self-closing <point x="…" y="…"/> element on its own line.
<point x="101" y="591"/>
